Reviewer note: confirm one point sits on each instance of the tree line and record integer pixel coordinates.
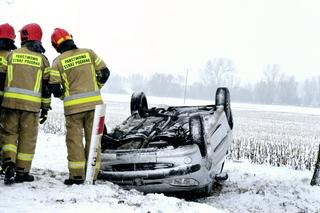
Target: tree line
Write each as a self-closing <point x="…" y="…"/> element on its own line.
<point x="275" y="87"/>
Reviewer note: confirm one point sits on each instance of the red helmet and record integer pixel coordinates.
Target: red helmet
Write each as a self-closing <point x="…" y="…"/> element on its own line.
<point x="7" y="31"/>
<point x="58" y="36"/>
<point x="31" y="32"/>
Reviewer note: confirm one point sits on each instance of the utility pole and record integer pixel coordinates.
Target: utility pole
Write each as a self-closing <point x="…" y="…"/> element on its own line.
<point x="185" y="87"/>
<point x="316" y="175"/>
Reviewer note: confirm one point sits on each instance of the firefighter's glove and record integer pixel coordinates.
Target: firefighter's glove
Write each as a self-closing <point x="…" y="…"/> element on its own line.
<point x="103" y="75"/>
<point x="43" y="115"/>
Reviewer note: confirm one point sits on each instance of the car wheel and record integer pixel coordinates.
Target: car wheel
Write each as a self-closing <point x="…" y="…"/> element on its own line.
<point x="223" y="98"/>
<point x="139" y="103"/>
<point x="197" y="133"/>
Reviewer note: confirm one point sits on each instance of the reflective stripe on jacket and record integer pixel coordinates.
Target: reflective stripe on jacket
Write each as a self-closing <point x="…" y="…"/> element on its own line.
<point x="76" y="70"/>
<point x="25" y="73"/>
<point x="3" y="67"/>
<point x="3" y="59"/>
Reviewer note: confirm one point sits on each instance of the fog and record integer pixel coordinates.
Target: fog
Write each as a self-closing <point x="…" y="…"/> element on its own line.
<point x="275" y="86"/>
<point x="273" y="46"/>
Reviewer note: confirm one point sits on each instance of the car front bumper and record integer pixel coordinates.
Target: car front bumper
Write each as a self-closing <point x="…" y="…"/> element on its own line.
<point x="187" y="171"/>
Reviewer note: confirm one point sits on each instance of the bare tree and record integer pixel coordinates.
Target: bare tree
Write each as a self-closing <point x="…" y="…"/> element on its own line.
<point x="307" y="93"/>
<point x="287" y="90"/>
<point x="276" y="88"/>
<point x="219" y="72"/>
<point x="136" y="82"/>
<point x="267" y="87"/>
<point x="316" y="175"/>
<point x="165" y="85"/>
<point x="310" y="94"/>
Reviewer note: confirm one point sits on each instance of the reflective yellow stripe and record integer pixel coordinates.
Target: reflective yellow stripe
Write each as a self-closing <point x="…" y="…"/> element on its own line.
<point x="10" y="74"/>
<point x="76" y="165"/>
<point x="24" y="156"/>
<point x="26" y="59"/>
<point x="47" y="70"/>
<point x="3" y="61"/>
<point x="94" y="78"/>
<point x="38" y="81"/>
<point x="66" y="84"/>
<point x="22" y="97"/>
<point x="9" y="147"/>
<point x="46" y="100"/>
<point x="98" y="61"/>
<point x="82" y="101"/>
<point x="63" y="39"/>
<point x="55" y="73"/>
<point x="75" y="61"/>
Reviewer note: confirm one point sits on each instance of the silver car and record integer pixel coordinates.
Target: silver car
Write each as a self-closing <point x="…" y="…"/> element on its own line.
<point x="169" y="150"/>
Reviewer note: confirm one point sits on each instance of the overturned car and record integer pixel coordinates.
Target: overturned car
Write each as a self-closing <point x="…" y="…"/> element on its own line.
<point x="168" y="150"/>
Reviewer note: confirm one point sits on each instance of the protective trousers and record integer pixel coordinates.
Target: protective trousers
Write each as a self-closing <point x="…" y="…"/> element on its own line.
<point x="19" y="135"/>
<point x="78" y="153"/>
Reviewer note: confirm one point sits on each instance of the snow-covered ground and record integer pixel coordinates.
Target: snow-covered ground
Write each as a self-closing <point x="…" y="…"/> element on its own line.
<point x="250" y="188"/>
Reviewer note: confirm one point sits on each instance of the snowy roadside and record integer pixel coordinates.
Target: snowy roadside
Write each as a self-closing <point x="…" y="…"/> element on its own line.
<point x="49" y="194"/>
<point x="250" y="188"/>
<point x="261" y="188"/>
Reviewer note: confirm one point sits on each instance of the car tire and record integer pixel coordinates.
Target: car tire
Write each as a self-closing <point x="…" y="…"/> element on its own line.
<point x="223" y="99"/>
<point x="139" y="104"/>
<point x="197" y="133"/>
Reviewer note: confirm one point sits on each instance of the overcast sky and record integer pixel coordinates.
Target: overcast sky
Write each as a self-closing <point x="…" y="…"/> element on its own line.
<point x="170" y="36"/>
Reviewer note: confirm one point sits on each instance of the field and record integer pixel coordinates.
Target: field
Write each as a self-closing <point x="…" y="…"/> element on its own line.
<point x="276" y="138"/>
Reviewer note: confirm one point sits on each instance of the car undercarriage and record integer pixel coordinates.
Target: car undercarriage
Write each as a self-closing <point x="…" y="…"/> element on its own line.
<point x="173" y="149"/>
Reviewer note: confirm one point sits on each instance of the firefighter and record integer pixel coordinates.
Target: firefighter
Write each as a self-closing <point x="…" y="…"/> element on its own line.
<point x="76" y="76"/>
<point x="25" y="94"/>
<point x="7" y="36"/>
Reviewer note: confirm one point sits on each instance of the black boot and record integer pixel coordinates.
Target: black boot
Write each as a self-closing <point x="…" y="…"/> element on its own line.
<point x="23" y="177"/>
<point x="10" y="169"/>
<point x="72" y="181"/>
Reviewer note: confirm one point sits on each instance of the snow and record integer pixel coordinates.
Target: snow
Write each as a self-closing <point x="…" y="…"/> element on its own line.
<point x="235" y="106"/>
<point x="260" y="188"/>
<point x="49" y="194"/>
<point x="250" y="188"/>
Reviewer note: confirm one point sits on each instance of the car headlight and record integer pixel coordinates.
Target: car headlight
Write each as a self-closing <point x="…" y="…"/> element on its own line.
<point x="187" y="160"/>
<point x="184" y="182"/>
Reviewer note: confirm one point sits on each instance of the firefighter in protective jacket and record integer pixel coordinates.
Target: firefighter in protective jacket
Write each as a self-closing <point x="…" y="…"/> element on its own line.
<point x="25" y="93"/>
<point x="7" y="36"/>
<point x="77" y="76"/>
